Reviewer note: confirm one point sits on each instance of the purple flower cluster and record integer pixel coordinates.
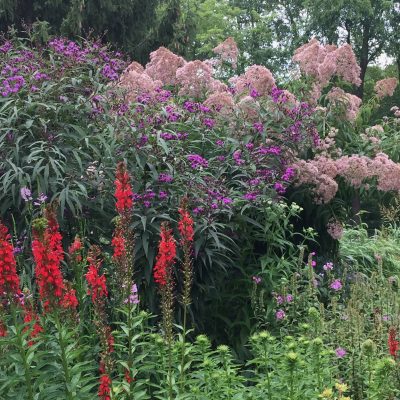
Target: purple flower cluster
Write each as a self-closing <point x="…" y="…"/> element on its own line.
<point x="197" y="161"/>
<point x="12" y="84"/>
<point x="166" y="178"/>
<point x="174" y="136"/>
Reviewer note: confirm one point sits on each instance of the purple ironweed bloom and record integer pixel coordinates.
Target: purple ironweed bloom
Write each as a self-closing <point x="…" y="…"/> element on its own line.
<point x="236" y="157"/>
<point x="289" y="298"/>
<point x="40" y="200"/>
<point x="258" y="126"/>
<point x="256" y="279"/>
<point x="220" y="143"/>
<point x="26" y="194"/>
<point x="204" y="109"/>
<point x="254" y="182"/>
<point x="162" y="195"/>
<point x="279" y="299"/>
<point x="340" y="352"/>
<point x="17" y="250"/>
<point x="279" y="188"/>
<point x="190" y="106"/>
<point x="249" y="146"/>
<point x="7" y="46"/>
<point x="336" y="285"/>
<point x="254" y="93"/>
<point x="165" y="178"/>
<point x="109" y="73"/>
<point x="209" y="123"/>
<point x="280" y="314"/>
<point x="198" y="210"/>
<point x="328" y="266"/>
<point x="40" y="75"/>
<point x="133" y="297"/>
<point x="226" y="200"/>
<point x="221" y="158"/>
<point x="251" y="196"/>
<point x="147" y="203"/>
<point x="289" y="173"/>
<point x="197" y="161"/>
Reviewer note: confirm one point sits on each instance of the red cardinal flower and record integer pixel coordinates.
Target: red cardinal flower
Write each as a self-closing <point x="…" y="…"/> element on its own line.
<point x="393" y="343"/>
<point x="9" y="280"/>
<point x="75" y="249"/>
<point x="31" y="318"/>
<point x="166" y="256"/>
<point x="48" y="253"/>
<point x="123" y="190"/>
<point x="185" y="226"/>
<point x="104" y="387"/>
<point x="96" y="282"/>
<point x="69" y="299"/>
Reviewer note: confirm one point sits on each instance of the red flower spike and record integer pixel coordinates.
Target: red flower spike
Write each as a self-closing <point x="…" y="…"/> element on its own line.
<point x="393" y="344"/>
<point x="185" y="226"/>
<point x="104" y="387"/>
<point x="9" y="280"/>
<point x="31" y="317"/>
<point x="123" y="190"/>
<point x="166" y="256"/>
<point x="97" y="283"/>
<point x="69" y="299"/>
<point x="48" y="253"/>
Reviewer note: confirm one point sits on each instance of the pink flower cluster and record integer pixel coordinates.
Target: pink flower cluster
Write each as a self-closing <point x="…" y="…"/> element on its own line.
<point x="335" y="229"/>
<point x="321" y="172"/>
<point x="385" y="87"/>
<point x="323" y="62"/>
<point x="228" y="52"/>
<point x="257" y="80"/>
<point x="349" y="102"/>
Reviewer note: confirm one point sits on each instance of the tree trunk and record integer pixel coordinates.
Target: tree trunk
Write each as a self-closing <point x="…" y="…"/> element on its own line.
<point x="364" y="56"/>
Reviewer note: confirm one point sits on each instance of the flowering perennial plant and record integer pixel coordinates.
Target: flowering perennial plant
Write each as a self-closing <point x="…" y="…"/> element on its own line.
<point x="48" y="254"/>
<point x="9" y="280"/>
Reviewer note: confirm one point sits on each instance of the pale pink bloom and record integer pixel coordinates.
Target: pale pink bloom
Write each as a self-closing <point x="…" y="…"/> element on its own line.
<point x="385" y="87"/>
<point x="222" y="102"/>
<point x="137" y="83"/>
<point x="195" y="79"/>
<point x="354" y="169"/>
<point x="335" y="229"/>
<point x="309" y="56"/>
<point x="346" y="65"/>
<point x="134" y="66"/>
<point x="163" y="66"/>
<point x="377" y="128"/>
<point x="257" y="78"/>
<point x="249" y="107"/>
<point x="228" y="51"/>
<point x="349" y="102"/>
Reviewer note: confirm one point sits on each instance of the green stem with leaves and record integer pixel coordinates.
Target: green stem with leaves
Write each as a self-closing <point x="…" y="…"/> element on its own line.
<point x="64" y="361"/>
<point x="24" y="356"/>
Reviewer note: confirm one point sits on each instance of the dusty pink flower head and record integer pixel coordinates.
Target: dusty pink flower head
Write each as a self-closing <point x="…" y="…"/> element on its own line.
<point x="385" y="87"/>
<point x="350" y="102"/>
<point x="195" y="79"/>
<point x="335" y="229"/>
<point x="387" y="173"/>
<point x="346" y="65"/>
<point x="323" y="62"/>
<point x="354" y="169"/>
<point x="309" y="56"/>
<point x="163" y="66"/>
<point x="134" y="66"/>
<point x="222" y="102"/>
<point x="138" y="83"/>
<point x="256" y="78"/>
<point x="228" y="51"/>
<point x="249" y="107"/>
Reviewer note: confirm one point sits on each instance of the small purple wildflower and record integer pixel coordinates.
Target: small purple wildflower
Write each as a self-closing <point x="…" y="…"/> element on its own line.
<point x="256" y="279"/>
<point x="197" y="161"/>
<point x="328" y="266"/>
<point x="133" y="297"/>
<point x="336" y="285"/>
<point x="26" y="194"/>
<point x="280" y="314"/>
<point x="340" y="352"/>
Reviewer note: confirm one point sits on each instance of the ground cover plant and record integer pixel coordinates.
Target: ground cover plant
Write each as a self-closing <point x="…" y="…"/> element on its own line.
<point x="179" y="231"/>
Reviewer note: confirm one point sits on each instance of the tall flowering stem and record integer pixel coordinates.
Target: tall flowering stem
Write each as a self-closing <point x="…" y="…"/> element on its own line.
<point x="123" y="238"/>
<point x="393" y="344"/>
<point x="48" y="253"/>
<point x="186" y="231"/>
<point x="97" y="289"/>
<point x="163" y="276"/>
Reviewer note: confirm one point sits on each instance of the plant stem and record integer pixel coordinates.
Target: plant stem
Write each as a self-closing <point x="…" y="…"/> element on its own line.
<point x="182" y="377"/>
<point x="21" y="347"/>
<point x="63" y="357"/>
